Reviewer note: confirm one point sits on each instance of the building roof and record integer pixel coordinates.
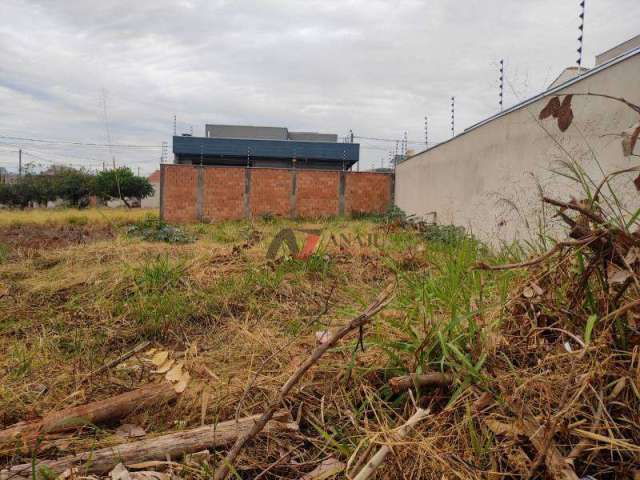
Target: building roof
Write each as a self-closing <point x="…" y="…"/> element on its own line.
<point x="257" y="148"/>
<point x="246" y="131"/>
<point x="265" y="133"/>
<point x="154" y="177"/>
<point x="551" y="91"/>
<point x="619" y="49"/>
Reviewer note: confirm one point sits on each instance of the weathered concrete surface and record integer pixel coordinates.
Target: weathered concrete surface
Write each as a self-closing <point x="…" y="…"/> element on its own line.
<point x="486" y="179"/>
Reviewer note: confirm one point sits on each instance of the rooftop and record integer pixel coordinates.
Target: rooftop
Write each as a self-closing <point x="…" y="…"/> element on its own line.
<point x="265" y="133"/>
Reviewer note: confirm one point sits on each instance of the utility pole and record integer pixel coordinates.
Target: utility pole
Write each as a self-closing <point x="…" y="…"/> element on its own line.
<point x="351" y="136"/>
<point x="175" y="125"/>
<point x="138" y="171"/>
<point x="20" y="162"/>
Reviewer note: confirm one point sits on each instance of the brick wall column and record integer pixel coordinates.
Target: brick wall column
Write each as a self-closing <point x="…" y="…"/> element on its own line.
<point x="293" y="212"/>
<point x="392" y="186"/>
<point x="162" y="199"/>
<point x="247" y="192"/>
<point x="200" y="194"/>
<point x="341" y="189"/>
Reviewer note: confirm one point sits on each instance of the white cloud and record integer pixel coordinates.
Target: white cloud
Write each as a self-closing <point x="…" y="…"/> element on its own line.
<point x="376" y="67"/>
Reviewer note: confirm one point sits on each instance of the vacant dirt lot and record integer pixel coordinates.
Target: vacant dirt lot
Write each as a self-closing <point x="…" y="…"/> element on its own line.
<point x="93" y="307"/>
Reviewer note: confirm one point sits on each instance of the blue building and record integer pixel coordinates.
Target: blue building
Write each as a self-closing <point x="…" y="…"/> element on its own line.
<point x="240" y="145"/>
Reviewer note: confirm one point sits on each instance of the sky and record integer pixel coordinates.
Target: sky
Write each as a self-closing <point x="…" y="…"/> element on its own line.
<point x="74" y="72"/>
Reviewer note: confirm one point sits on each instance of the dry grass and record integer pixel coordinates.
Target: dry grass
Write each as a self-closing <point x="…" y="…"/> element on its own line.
<point x="244" y="324"/>
<point x="93" y="216"/>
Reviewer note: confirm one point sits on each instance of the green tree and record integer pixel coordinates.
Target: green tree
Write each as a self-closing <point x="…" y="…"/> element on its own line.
<point x="74" y="186"/>
<point x="121" y="183"/>
<point x="29" y="188"/>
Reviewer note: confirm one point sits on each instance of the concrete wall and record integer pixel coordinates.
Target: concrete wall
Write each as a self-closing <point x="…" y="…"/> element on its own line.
<point x="191" y="193"/>
<point x="154" y="200"/>
<point x="486" y="178"/>
<point x="618" y="50"/>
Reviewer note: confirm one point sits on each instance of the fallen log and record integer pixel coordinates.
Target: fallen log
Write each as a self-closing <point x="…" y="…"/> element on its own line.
<point x="419" y="380"/>
<point x="89" y="414"/>
<point x="172" y="446"/>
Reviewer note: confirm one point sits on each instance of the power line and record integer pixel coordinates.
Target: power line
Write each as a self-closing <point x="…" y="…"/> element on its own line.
<point x="83" y="144"/>
<point x="393" y="140"/>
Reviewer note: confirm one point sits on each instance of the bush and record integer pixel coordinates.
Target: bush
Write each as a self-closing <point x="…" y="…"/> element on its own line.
<point x="449" y="234"/>
<point x="153" y="229"/>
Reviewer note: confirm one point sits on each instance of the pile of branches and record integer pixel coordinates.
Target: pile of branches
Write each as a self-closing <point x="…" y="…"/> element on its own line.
<point x="568" y="369"/>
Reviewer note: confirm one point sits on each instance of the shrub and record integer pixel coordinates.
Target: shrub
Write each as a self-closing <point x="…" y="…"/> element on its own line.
<point x="153" y="229"/>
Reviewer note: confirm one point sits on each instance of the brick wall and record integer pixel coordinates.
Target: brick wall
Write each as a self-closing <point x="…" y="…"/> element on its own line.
<point x="317" y="193"/>
<point x="270" y="192"/>
<point x="190" y="193"/>
<point x="367" y="192"/>
<point x="178" y="193"/>
<point x="223" y="193"/>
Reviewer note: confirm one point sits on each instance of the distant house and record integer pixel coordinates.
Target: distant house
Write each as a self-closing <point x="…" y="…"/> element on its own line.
<point x="244" y="145"/>
<point x="154" y="200"/>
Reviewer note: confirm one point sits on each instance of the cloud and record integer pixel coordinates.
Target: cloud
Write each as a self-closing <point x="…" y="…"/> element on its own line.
<point x="376" y="67"/>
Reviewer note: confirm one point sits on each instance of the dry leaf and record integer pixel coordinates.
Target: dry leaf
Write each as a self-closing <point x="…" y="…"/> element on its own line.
<point x="632" y="256"/>
<point x="197" y="458"/>
<point x="175" y="373"/>
<point x="636" y="182"/>
<point x="617" y="275"/>
<point x="119" y="472"/>
<point x="629" y="139"/>
<point x="159" y="358"/>
<point x="528" y="292"/>
<point x="501" y="428"/>
<point x="565" y="114"/>
<point x="322" y="337"/>
<point x="328" y="468"/>
<point x="150" y="352"/>
<point x="550" y="109"/>
<point x="182" y="383"/>
<point x="130" y="430"/>
<point x="204" y="406"/>
<point x="165" y="367"/>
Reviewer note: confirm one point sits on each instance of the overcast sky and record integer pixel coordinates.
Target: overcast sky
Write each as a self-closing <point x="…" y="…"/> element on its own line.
<point x="377" y="67"/>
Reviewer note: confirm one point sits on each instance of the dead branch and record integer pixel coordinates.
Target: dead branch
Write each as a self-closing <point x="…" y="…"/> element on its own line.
<point x="556" y="248"/>
<point x="578" y="208"/>
<point x="371" y="466"/>
<point x="116" y="361"/>
<point x="89" y="414"/>
<point x="607" y="177"/>
<point x="173" y="445"/>
<point x="417" y="380"/>
<point x="365" y="317"/>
